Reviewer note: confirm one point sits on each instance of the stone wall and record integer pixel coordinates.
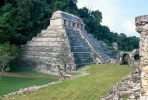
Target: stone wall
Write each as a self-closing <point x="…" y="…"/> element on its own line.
<point x="132" y="61"/>
<point x="142" y="28"/>
<point x="127" y="88"/>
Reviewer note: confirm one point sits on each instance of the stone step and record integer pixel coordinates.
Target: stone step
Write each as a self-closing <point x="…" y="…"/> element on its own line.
<point x="46" y="48"/>
<point x="55" y="43"/>
<point x="48" y="39"/>
<point x="54" y="29"/>
<point x="73" y="35"/>
<point x="79" y="44"/>
<point x="47" y="59"/>
<point x="76" y="39"/>
<point x="80" y="49"/>
<point x="56" y="54"/>
<point x="53" y="32"/>
<point x="58" y="28"/>
<point x="56" y="48"/>
<point x="46" y="54"/>
<point x="53" y="35"/>
<point x="82" y="54"/>
<point x="69" y="31"/>
<point x="83" y="60"/>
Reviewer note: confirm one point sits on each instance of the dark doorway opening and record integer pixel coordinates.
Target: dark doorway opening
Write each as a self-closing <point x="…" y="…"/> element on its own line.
<point x="136" y="57"/>
<point x="125" y="59"/>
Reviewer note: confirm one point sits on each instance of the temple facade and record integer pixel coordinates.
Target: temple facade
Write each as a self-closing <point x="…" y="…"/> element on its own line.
<point x="66" y="20"/>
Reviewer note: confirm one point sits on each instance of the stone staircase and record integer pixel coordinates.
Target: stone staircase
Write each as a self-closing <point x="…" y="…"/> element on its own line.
<point x="81" y="50"/>
<point x="103" y="52"/>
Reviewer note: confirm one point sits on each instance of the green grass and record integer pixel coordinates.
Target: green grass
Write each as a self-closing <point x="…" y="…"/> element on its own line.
<point x="23" y="79"/>
<point x="90" y="87"/>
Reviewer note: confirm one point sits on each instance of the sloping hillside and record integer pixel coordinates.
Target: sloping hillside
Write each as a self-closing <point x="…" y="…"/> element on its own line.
<point x="89" y="87"/>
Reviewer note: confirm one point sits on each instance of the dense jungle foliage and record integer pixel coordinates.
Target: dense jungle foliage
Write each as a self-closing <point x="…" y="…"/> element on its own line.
<point x="20" y="20"/>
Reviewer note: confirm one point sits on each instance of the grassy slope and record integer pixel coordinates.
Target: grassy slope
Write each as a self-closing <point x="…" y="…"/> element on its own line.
<point x="91" y="87"/>
<point x="23" y="79"/>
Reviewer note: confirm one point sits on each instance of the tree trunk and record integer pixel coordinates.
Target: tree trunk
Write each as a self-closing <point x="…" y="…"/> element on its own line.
<point x="0" y="75"/>
<point x="1" y="71"/>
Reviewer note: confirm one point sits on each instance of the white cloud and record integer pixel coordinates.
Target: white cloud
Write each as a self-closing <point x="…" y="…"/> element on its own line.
<point x="105" y="6"/>
<point x="114" y="13"/>
<point x="129" y="28"/>
<point x="107" y="21"/>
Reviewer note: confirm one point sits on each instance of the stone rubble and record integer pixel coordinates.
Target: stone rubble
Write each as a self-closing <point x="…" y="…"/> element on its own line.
<point x="127" y="88"/>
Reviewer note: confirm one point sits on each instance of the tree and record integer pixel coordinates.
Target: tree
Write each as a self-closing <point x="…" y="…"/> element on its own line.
<point x="97" y="15"/>
<point x="20" y="20"/>
<point x="7" y="54"/>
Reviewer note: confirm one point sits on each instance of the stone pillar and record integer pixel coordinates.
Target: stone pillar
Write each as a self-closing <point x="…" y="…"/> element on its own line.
<point x="67" y="22"/>
<point x="71" y="23"/>
<point x="82" y="27"/>
<point x="63" y="22"/>
<point x="79" y="26"/>
<point x="75" y="25"/>
<point x="142" y="27"/>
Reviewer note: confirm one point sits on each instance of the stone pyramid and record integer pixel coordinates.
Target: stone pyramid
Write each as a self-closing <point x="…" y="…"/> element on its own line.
<point x="64" y="46"/>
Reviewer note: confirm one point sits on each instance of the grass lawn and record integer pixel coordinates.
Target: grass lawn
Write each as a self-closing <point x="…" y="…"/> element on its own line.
<point x="14" y="80"/>
<point x="91" y="87"/>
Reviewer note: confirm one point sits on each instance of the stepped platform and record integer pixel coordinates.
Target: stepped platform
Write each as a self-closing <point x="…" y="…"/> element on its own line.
<point x="63" y="47"/>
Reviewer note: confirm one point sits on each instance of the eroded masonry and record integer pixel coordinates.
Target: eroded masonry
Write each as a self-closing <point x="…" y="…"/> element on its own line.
<point x="64" y="47"/>
<point x="142" y="28"/>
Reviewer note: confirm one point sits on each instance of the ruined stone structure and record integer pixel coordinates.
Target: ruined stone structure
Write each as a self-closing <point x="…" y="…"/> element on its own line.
<point x="64" y="47"/>
<point x="142" y="27"/>
<point x="133" y="57"/>
<point x="129" y="86"/>
<point x="115" y="45"/>
<point x="135" y="85"/>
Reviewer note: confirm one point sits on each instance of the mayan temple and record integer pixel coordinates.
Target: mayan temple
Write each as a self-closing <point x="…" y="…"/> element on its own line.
<point x="64" y="46"/>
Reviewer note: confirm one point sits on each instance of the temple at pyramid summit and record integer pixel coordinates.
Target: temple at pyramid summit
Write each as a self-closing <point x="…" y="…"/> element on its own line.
<point x="64" y="46"/>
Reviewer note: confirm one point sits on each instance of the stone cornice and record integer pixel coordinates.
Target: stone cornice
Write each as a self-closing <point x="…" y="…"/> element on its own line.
<point x="64" y="15"/>
<point x="142" y="23"/>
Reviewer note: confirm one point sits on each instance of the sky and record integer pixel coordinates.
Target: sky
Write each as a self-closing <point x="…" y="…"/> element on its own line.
<point x="118" y="15"/>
